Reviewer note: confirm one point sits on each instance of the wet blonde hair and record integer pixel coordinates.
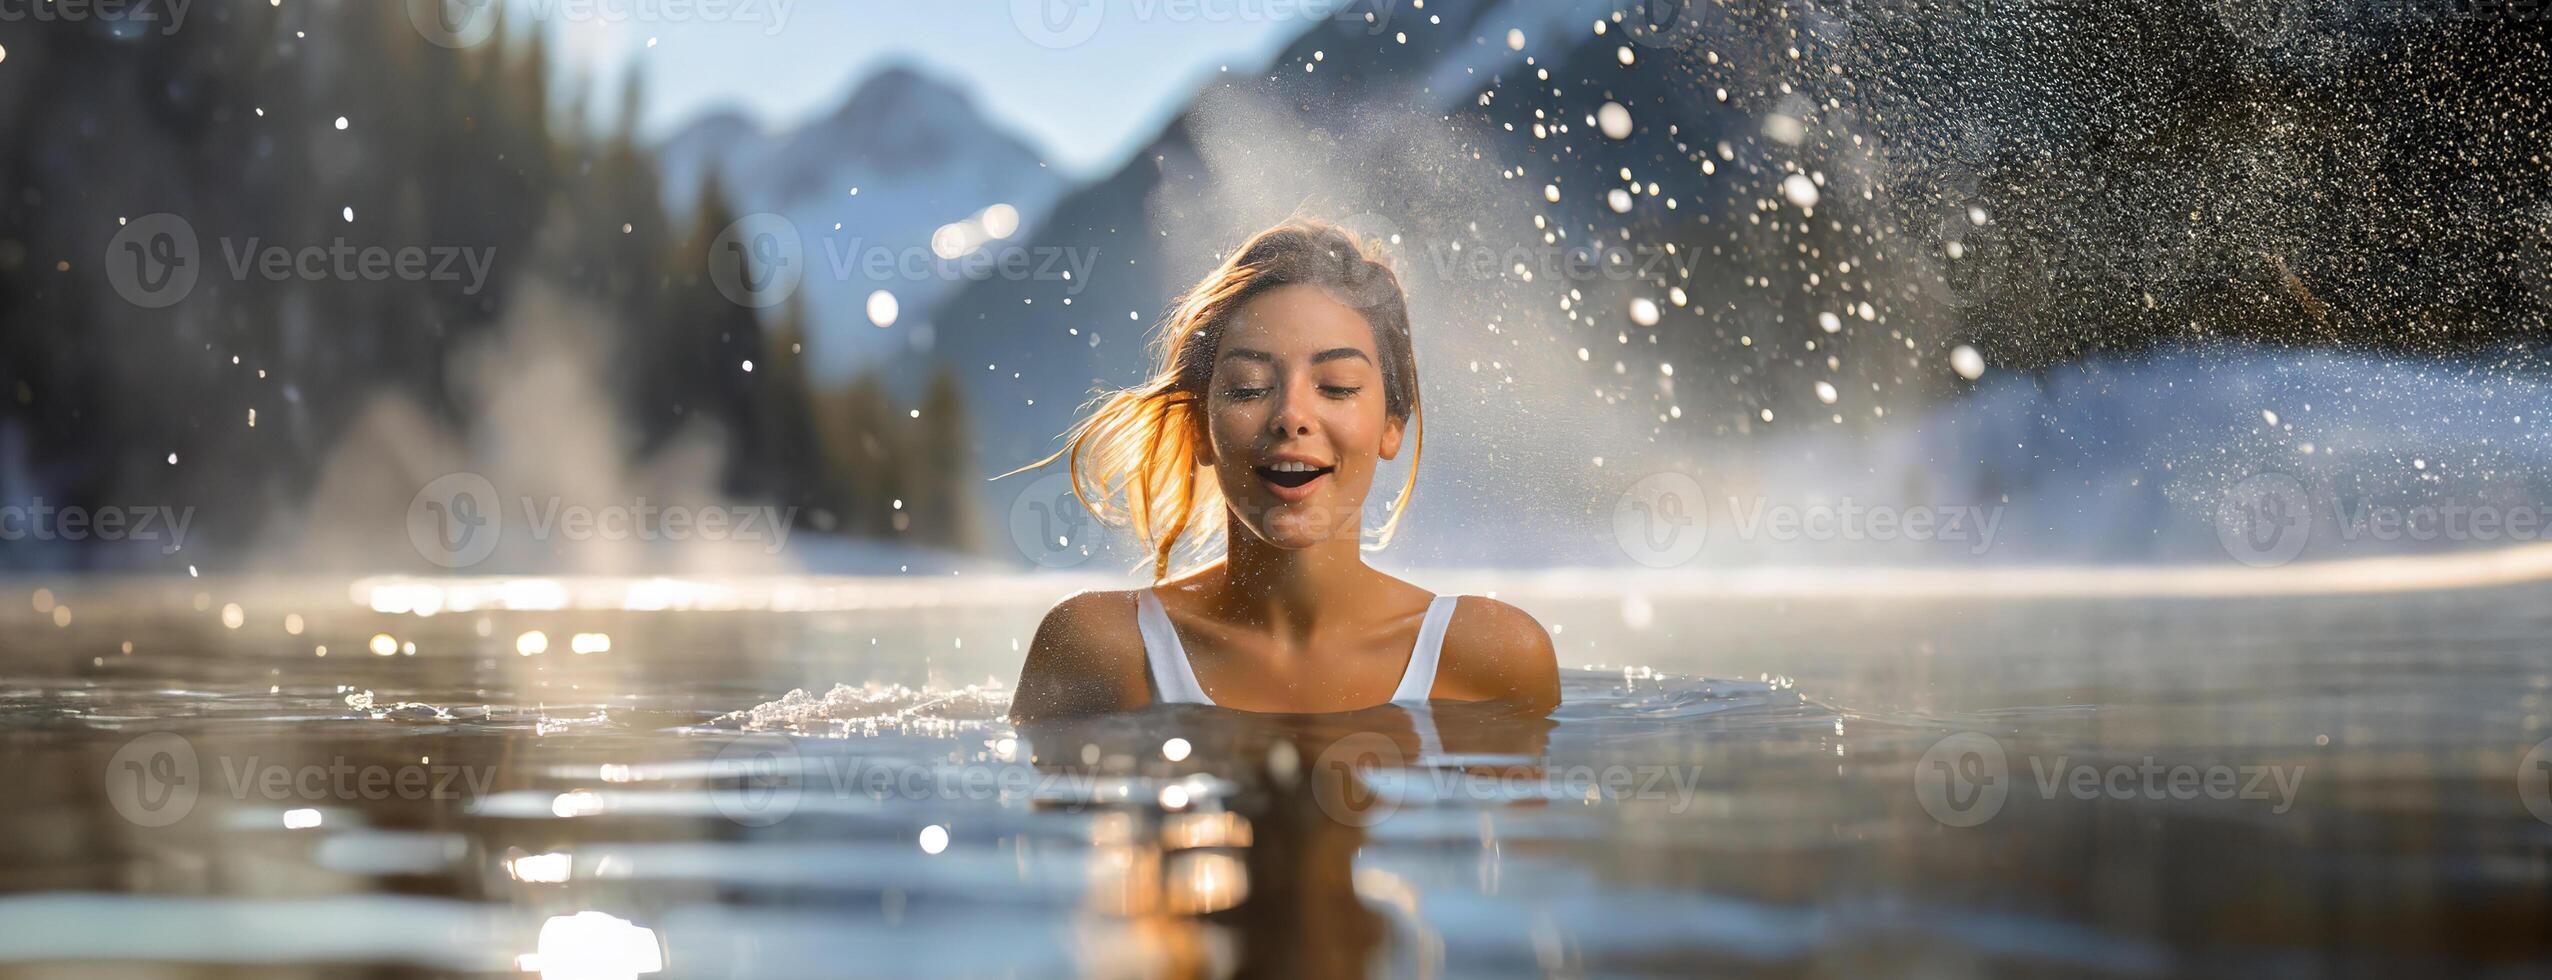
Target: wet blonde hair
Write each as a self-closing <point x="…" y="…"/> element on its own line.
<point x="1145" y="444"/>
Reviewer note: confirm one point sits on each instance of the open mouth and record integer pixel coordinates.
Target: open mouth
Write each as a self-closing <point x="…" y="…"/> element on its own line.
<point x="1293" y="475"/>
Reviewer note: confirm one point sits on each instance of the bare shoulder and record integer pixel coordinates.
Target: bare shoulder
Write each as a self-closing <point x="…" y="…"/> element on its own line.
<point x="1087" y="659"/>
<point x="1495" y="651"/>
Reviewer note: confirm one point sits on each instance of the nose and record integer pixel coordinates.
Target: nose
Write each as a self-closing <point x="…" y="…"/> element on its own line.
<point x="1293" y="412"/>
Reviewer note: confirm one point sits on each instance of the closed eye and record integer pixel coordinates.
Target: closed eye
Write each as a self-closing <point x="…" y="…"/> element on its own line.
<point x="1243" y="394"/>
<point x="1340" y="391"/>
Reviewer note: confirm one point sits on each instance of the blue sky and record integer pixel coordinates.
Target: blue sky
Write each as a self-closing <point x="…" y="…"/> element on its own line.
<point x="1084" y="80"/>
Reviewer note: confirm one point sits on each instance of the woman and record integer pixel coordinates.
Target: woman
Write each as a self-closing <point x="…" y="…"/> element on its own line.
<point x="1287" y="376"/>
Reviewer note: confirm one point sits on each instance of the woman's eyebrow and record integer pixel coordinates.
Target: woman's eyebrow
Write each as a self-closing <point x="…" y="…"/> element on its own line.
<point x="1263" y="357"/>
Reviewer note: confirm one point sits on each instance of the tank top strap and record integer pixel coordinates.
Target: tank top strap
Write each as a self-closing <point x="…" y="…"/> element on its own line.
<point x="1173" y="679"/>
<point x="1419" y="680"/>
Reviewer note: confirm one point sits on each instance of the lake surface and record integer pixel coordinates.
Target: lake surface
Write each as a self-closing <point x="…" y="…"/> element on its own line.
<point x="611" y="778"/>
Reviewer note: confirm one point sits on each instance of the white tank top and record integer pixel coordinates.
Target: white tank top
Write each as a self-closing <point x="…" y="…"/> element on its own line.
<point x="1175" y="682"/>
<point x="1175" y="679"/>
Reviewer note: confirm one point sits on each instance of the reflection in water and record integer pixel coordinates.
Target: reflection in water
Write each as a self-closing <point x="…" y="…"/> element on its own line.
<point x="550" y="868"/>
<point x="1264" y="857"/>
<point x="593" y="945"/>
<point x="664" y="805"/>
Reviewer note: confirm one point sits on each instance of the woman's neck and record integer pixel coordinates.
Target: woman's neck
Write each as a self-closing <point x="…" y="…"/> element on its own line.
<point x="1291" y="591"/>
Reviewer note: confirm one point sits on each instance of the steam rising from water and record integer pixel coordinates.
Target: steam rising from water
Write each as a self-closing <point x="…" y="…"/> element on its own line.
<point x="543" y="429"/>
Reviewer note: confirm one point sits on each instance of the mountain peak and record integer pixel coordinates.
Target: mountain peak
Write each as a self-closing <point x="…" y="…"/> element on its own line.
<point x="901" y="89"/>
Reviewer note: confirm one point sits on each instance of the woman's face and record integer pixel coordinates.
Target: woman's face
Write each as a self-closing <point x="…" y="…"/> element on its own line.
<point x="1295" y="416"/>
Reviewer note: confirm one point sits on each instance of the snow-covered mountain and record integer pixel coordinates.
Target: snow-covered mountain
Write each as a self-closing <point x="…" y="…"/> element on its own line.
<point x="867" y="187"/>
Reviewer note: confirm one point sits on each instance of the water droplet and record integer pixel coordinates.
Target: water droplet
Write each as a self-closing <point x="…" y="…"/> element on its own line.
<point x="1969" y="364"/>
<point x="1800" y="190"/>
<point x="1614" y="120"/>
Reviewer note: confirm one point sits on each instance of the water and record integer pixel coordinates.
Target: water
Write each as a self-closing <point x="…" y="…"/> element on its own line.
<point x="1740" y="788"/>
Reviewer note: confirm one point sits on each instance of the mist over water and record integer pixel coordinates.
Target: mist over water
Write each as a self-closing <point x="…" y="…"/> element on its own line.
<point x="539" y="433"/>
